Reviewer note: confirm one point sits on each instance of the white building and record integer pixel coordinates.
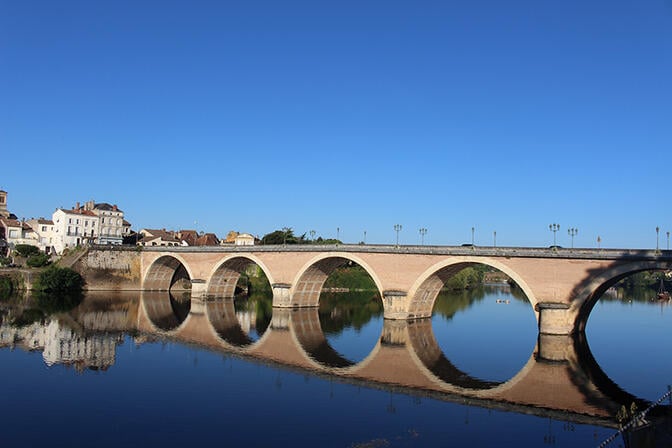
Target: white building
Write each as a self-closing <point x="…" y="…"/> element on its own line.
<point x="73" y="228"/>
<point x="16" y="232"/>
<point x="44" y="230"/>
<point x="244" y="239"/>
<point x="94" y="223"/>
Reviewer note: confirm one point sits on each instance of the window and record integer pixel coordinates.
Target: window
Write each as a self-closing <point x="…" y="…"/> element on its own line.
<point x="86" y="223"/>
<point x="13" y="233"/>
<point x="44" y="228"/>
<point x="69" y="220"/>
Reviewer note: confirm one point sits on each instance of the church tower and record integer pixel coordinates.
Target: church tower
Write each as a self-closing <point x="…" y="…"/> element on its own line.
<point x="3" y="204"/>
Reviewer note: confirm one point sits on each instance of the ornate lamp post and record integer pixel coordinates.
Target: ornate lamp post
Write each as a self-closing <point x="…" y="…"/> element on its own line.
<point x="338" y="234"/>
<point x="668" y="240"/>
<point x="657" y="232"/>
<point x="365" y="237"/>
<point x="572" y="232"/>
<point x="554" y="228"/>
<point x="599" y="242"/>
<point x="397" y="228"/>
<point x="423" y="232"/>
<point x="312" y="236"/>
<point x="494" y="238"/>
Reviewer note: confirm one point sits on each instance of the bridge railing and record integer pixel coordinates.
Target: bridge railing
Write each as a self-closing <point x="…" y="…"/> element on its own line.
<point x="482" y="251"/>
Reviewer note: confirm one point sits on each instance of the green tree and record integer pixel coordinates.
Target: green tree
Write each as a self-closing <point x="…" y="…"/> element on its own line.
<point x="26" y="250"/>
<point x="57" y="279"/>
<point x="37" y="261"/>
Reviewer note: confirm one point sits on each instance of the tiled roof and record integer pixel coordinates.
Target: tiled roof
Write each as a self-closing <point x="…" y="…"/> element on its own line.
<point x="80" y="211"/>
<point x="106" y="207"/>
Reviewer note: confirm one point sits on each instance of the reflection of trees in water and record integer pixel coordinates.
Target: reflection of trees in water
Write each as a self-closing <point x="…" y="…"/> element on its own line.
<point x="639" y="287"/>
<point x="341" y="310"/>
<point x="259" y="305"/>
<point x="449" y="302"/>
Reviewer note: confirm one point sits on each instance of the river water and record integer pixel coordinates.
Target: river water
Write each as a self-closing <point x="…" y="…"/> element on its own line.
<point x="144" y="370"/>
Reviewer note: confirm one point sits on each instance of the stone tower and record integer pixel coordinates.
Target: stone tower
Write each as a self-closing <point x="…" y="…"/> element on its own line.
<point x="3" y="204"/>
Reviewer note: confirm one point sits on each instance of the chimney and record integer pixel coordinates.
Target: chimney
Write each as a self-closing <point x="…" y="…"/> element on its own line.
<point x="114" y="207"/>
<point x="77" y="206"/>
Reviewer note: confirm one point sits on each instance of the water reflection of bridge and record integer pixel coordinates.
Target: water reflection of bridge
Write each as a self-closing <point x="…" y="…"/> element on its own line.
<point x="561" y="379"/>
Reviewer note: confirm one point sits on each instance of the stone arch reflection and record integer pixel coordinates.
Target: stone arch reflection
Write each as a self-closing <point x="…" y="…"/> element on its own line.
<point x="165" y="310"/>
<point x="236" y="327"/>
<point x="426" y="348"/>
<point x="305" y="324"/>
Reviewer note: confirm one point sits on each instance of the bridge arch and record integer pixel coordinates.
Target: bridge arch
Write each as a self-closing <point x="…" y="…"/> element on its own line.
<point x="225" y="275"/>
<point x="426" y="289"/>
<point x="310" y="279"/>
<point x="588" y="294"/>
<point x="160" y="274"/>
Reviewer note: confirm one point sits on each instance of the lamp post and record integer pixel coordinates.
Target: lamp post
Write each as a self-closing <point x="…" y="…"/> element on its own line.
<point x="338" y="234"/>
<point x="397" y="228"/>
<point x="572" y="232"/>
<point x="668" y="240"/>
<point x="423" y="232"/>
<point x="599" y="242"/>
<point x="657" y="232"/>
<point x="365" y="237"/>
<point x="312" y="236"/>
<point x="472" y="235"/>
<point x="494" y="238"/>
<point x="554" y="228"/>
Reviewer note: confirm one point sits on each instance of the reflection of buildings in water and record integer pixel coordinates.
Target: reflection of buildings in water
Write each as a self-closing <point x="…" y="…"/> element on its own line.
<point x="247" y="320"/>
<point x="63" y="345"/>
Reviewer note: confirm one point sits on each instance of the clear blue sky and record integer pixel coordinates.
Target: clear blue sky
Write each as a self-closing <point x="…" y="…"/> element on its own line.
<point x="256" y="115"/>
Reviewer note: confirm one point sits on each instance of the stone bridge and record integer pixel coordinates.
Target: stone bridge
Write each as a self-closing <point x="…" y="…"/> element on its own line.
<point x="562" y="285"/>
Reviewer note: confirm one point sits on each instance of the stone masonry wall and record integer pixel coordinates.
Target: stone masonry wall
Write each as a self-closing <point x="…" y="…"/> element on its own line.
<point x="110" y="269"/>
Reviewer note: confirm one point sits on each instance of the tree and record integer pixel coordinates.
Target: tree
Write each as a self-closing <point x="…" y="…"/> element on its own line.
<point x="26" y="250"/>
<point x="284" y="236"/>
<point x="37" y="261"/>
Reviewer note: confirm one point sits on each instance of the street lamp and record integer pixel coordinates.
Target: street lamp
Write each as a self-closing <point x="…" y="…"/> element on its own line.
<point x="668" y="240"/>
<point x="572" y="232"/>
<point x="338" y="235"/>
<point x="423" y="232"/>
<point x="599" y="242"/>
<point x="494" y="238"/>
<point x="397" y="228"/>
<point x="657" y="232"/>
<point x="365" y="237"/>
<point x="312" y="236"/>
<point x="554" y="228"/>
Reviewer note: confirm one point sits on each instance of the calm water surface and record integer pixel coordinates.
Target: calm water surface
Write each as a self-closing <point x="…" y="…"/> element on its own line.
<point x="99" y="375"/>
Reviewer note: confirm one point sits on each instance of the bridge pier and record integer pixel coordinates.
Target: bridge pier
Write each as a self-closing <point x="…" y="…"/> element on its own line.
<point x="554" y="318"/>
<point x="198" y="288"/>
<point x="395" y="305"/>
<point x="281" y="297"/>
